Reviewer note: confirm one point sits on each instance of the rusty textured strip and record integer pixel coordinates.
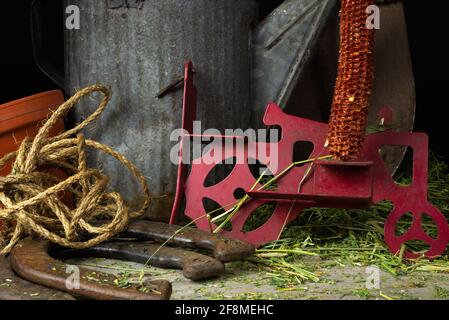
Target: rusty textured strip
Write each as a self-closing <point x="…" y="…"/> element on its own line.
<point x="349" y="114"/>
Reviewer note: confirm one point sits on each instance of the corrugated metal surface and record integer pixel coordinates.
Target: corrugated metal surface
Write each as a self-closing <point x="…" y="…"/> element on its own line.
<point x="136" y="52"/>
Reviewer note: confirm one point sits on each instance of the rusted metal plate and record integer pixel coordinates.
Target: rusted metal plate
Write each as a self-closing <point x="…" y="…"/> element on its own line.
<point x="30" y="259"/>
<point x="14" y="288"/>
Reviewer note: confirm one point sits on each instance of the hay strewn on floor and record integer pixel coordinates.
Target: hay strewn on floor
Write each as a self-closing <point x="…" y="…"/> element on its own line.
<point x="355" y="237"/>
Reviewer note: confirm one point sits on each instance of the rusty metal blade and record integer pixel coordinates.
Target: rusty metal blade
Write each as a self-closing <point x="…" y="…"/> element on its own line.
<point x="30" y="259"/>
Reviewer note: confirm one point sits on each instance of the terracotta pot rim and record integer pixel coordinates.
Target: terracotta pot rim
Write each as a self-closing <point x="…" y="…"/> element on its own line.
<point x="25" y="102"/>
<point x="28" y="110"/>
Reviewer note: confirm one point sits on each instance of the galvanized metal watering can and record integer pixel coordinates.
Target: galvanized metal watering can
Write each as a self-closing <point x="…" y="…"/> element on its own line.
<point x="137" y="47"/>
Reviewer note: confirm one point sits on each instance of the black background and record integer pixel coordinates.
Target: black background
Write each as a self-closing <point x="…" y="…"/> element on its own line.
<point x="282" y="309"/>
<point x="427" y="23"/>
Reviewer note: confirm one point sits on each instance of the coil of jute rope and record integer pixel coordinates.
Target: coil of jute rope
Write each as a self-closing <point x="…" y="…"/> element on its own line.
<point x="31" y="201"/>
